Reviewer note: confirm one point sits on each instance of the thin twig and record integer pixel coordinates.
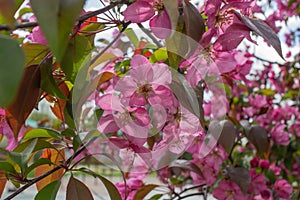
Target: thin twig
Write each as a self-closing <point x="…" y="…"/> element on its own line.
<point x="149" y="34"/>
<point x="35" y="180"/>
<point x="81" y="19"/>
<point x="125" y="25"/>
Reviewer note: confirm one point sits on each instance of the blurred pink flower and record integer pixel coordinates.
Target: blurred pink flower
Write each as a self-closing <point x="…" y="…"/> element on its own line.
<point x="279" y="135"/>
<point x="228" y="190"/>
<point x="6" y="130"/>
<point x="283" y="189"/>
<point x="133" y="183"/>
<point x="147" y="83"/>
<point x="143" y="10"/>
<point x="37" y="35"/>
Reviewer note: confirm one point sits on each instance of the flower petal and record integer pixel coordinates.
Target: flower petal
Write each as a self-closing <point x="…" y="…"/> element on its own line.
<point x="160" y="25"/>
<point x="139" y="11"/>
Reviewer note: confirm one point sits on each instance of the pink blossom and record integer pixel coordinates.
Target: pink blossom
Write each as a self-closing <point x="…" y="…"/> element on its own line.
<point x="283" y="189"/>
<point x="258" y="101"/>
<point x="133" y="183"/>
<point x="254" y="162"/>
<point x="279" y="135"/>
<point x="295" y="128"/>
<point x="142" y="10"/>
<point x="6" y="130"/>
<point x="37" y="35"/>
<point x="147" y="83"/>
<point x="228" y="190"/>
<point x="264" y="164"/>
<point x="131" y="120"/>
<point x="225" y="24"/>
<point x="275" y="169"/>
<point x="258" y="183"/>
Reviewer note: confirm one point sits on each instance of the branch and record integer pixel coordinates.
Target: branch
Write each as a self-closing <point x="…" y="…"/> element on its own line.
<point x="125" y="25"/>
<point x="268" y="61"/>
<point x="149" y="34"/>
<point x="81" y="19"/>
<point x="35" y="180"/>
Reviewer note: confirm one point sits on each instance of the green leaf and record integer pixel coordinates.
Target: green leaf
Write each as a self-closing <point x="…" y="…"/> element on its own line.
<point x="76" y="190"/>
<point x="49" y="192"/>
<point x="21" y="158"/>
<point x="156" y="197"/>
<point x="132" y="37"/>
<point x="41" y="144"/>
<point x="12" y="64"/>
<point x="7" y="167"/>
<point x="77" y="54"/>
<point x="8" y="9"/>
<point x="159" y="55"/>
<point x="143" y="191"/>
<point x="57" y="18"/>
<point x="34" y="53"/>
<point x="41" y="133"/>
<point x="177" y="44"/>
<point x="48" y="84"/>
<point x="41" y="161"/>
<point x="111" y="188"/>
<point x="267" y="92"/>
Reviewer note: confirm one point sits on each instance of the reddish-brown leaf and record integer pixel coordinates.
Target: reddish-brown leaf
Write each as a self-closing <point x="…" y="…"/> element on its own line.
<point x="262" y="29"/>
<point x="56" y="158"/>
<point x="3" y="181"/>
<point x="60" y="104"/>
<point x="194" y="22"/>
<point x="77" y="190"/>
<point x="240" y="176"/>
<point x="143" y="191"/>
<point x="26" y="98"/>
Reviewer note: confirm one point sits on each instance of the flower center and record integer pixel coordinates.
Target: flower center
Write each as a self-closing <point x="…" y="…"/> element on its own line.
<point x="144" y="89"/>
<point x="159" y="6"/>
<point x="223" y="18"/>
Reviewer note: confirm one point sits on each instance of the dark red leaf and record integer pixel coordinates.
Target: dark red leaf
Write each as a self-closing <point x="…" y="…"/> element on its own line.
<point x="240" y="176"/>
<point x="258" y="136"/>
<point x="194" y="22"/>
<point x="26" y="99"/>
<point x="76" y="190"/>
<point x="143" y="191"/>
<point x="262" y="29"/>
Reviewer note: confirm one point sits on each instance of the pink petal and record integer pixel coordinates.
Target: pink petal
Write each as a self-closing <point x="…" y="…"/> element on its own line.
<point x="127" y="86"/>
<point x="141" y="117"/>
<point x="161" y="74"/>
<point x="225" y="62"/>
<point x="160" y="25"/>
<point x="110" y="102"/>
<point x="119" y="142"/>
<point x="139" y="11"/>
<point x="228" y="41"/>
<point x="107" y="123"/>
<point x="137" y="100"/>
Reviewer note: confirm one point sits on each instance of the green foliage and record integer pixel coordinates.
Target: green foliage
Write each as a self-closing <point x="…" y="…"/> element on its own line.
<point x="11" y="68"/>
<point x="49" y="192"/>
<point x="57" y="19"/>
